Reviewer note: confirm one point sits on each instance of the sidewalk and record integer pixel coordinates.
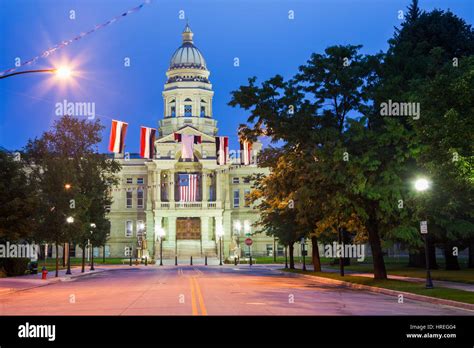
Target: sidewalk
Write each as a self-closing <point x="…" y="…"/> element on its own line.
<point x="440" y="283"/>
<point x="30" y="281"/>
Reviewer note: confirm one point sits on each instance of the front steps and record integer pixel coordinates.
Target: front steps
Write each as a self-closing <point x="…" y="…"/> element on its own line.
<point x="187" y="248"/>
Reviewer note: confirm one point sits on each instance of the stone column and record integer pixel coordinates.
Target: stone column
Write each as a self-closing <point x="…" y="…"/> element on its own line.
<point x="150" y="233"/>
<point x="169" y="242"/>
<point x="158" y="187"/>
<point x="172" y="183"/>
<point x="205" y="230"/>
<point x="218" y="186"/>
<point x="227" y="188"/>
<point x="227" y="223"/>
<point x="149" y="189"/>
<point x="205" y="188"/>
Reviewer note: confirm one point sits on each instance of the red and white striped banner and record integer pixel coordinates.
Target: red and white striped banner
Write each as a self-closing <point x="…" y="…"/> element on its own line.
<point x="147" y="142"/>
<point x="117" y="136"/>
<point x="245" y="152"/>
<point x="222" y="150"/>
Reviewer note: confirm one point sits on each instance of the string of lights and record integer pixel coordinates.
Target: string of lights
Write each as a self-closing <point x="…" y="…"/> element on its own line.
<point x="65" y="43"/>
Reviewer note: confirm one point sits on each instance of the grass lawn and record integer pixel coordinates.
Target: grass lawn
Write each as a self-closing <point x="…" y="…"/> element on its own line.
<point x="77" y="261"/>
<point x="465" y="275"/>
<point x="398" y="285"/>
<point x="281" y="259"/>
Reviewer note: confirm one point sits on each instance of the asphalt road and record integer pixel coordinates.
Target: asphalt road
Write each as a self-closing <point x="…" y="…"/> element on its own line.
<point x="212" y="290"/>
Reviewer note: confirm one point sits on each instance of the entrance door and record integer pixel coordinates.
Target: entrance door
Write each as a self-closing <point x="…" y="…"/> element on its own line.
<point x="188" y="228"/>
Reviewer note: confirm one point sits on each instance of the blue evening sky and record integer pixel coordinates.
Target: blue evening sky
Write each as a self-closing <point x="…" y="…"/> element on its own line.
<point x="259" y="33"/>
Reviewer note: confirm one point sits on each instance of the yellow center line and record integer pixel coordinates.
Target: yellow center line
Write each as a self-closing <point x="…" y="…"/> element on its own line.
<point x="193" y="298"/>
<point x="201" y="299"/>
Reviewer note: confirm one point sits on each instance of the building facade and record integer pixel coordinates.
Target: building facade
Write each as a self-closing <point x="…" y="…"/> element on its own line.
<point x="149" y="200"/>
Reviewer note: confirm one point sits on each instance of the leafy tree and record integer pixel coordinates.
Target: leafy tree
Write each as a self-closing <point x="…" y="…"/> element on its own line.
<point x="426" y="45"/>
<point x="18" y="201"/>
<point x="68" y="155"/>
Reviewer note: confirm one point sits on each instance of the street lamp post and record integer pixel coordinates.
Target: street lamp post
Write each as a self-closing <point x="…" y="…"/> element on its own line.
<point x="422" y="185"/>
<point x="92" y="248"/>
<point x="69" y="220"/>
<point x="161" y="234"/>
<point x="286" y="257"/>
<point x="220" y="233"/>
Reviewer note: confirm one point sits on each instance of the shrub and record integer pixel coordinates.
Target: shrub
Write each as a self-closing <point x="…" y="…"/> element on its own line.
<point x="15" y="266"/>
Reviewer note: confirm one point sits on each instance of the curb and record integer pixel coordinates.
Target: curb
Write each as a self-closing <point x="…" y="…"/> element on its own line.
<point x="390" y="292"/>
<point x="53" y="280"/>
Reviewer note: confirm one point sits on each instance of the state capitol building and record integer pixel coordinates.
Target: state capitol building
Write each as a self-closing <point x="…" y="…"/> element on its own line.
<point x="189" y="202"/>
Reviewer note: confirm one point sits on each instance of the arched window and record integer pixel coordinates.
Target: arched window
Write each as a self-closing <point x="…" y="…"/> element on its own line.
<point x="172" y="108"/>
<point x="203" y="108"/>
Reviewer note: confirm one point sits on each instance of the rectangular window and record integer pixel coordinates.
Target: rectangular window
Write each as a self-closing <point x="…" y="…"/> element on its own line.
<point x="140" y="199"/>
<point x="203" y="111"/>
<point x="140" y="228"/>
<point x="173" y="111"/>
<point x="139" y="180"/>
<point x="129" y="199"/>
<point x="280" y="251"/>
<point x="236" y="198"/>
<point x="247" y="200"/>
<point x="129" y="228"/>
<point x="235" y="180"/>
<point x="269" y="250"/>
<point x="129" y="180"/>
<point x="247" y="180"/>
<point x="188" y="110"/>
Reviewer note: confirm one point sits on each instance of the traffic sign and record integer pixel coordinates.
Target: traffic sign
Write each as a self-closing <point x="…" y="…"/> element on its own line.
<point x="249" y="241"/>
<point x="424" y="227"/>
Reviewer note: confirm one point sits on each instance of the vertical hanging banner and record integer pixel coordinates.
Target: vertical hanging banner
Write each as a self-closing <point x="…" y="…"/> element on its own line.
<point x="245" y="152"/>
<point x="147" y="142"/>
<point x="117" y="136"/>
<point x="187" y="142"/>
<point x="222" y="150"/>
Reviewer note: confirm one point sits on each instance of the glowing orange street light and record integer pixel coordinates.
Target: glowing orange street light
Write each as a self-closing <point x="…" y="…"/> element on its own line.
<point x="61" y="72"/>
<point x="67" y="186"/>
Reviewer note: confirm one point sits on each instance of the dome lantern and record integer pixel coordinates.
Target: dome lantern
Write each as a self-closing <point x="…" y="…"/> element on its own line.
<point x="187" y="56"/>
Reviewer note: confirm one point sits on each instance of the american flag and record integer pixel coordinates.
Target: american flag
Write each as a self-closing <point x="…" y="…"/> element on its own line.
<point x="188" y="184"/>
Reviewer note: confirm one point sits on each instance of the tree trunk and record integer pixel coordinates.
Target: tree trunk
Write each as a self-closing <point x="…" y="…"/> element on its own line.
<point x="471" y="254"/>
<point x="346" y="239"/>
<point x="451" y="260"/>
<point x="57" y="260"/>
<point x="83" y="257"/>
<point x="64" y="255"/>
<point x="292" y="259"/>
<point x="315" y="254"/>
<point x="377" y="254"/>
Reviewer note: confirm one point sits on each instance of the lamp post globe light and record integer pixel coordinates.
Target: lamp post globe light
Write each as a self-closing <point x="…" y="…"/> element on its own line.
<point x="161" y="234"/>
<point x="421" y="185"/>
<point x="220" y="234"/>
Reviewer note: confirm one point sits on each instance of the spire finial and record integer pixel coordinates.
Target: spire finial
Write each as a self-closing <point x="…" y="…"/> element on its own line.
<point x="187" y="33"/>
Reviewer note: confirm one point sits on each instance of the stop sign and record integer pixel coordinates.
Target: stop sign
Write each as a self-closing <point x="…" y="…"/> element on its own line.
<point x="249" y="241"/>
